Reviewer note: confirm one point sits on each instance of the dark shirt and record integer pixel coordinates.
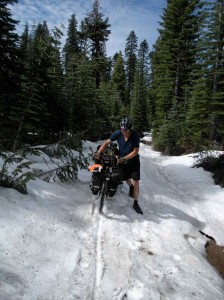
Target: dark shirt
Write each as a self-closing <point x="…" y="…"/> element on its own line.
<point x="126" y="147"/>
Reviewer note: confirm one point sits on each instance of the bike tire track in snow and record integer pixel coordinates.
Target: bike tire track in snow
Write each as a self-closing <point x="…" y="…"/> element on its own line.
<point x="98" y="264"/>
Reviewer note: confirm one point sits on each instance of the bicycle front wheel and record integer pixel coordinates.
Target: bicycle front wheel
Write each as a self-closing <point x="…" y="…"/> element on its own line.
<point x="103" y="196"/>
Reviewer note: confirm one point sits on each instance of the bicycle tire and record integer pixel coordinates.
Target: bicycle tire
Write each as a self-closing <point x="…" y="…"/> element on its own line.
<point x="104" y="191"/>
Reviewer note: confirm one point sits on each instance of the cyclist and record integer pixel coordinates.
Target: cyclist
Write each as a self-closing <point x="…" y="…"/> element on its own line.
<point x="128" y="141"/>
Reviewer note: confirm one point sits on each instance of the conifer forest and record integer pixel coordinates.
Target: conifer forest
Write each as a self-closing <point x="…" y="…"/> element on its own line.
<point x="50" y="91"/>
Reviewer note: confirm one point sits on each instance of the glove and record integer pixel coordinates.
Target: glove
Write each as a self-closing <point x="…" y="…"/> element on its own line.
<point x="121" y="160"/>
<point x="96" y="155"/>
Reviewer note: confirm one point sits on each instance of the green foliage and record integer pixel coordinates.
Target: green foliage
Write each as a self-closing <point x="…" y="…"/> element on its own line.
<point x="198" y="120"/>
<point x="9" y="69"/>
<point x="167" y="138"/>
<point x="212" y="162"/>
<point x="72" y="44"/>
<point x="9" y="52"/>
<point x="18" y="176"/>
<point x="81" y="94"/>
<point x="66" y="158"/>
<point x="43" y="95"/>
<point x="216" y="71"/>
<point x="173" y="62"/>
<point x="96" y="30"/>
<point x="131" y="63"/>
<point x="119" y="78"/>
<point x="139" y="101"/>
<point x="38" y="110"/>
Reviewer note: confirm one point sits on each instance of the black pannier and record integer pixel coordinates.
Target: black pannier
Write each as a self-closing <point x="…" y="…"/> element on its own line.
<point x="96" y="181"/>
<point x="109" y="166"/>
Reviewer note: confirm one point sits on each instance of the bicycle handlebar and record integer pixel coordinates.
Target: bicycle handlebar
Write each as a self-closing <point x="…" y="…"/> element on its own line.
<point x="108" y="159"/>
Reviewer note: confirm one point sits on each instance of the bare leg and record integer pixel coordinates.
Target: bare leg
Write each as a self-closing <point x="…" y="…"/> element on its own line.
<point x="136" y="189"/>
<point x="136" y="207"/>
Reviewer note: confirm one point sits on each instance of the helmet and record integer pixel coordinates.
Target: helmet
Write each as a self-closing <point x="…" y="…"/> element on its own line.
<point x="125" y="123"/>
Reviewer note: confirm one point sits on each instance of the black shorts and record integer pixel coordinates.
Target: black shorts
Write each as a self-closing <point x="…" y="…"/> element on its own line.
<point x="132" y="169"/>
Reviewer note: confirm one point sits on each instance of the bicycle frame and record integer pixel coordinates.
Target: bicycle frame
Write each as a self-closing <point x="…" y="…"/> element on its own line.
<point x="110" y="175"/>
<point x="108" y="163"/>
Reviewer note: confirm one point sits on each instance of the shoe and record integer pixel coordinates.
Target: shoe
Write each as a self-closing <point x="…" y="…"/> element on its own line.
<point x="131" y="191"/>
<point x="137" y="208"/>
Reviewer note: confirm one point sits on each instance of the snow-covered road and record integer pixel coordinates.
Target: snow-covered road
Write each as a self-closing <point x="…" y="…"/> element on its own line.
<point x="56" y="246"/>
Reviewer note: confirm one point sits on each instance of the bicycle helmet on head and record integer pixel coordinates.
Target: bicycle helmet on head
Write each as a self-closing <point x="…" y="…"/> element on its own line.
<point x="125" y="123"/>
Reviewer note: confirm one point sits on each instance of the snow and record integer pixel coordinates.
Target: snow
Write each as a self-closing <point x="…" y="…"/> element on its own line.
<point x="56" y="245"/>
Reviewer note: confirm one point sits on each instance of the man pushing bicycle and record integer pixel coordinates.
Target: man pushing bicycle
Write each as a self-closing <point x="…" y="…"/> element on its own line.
<point x="128" y="141"/>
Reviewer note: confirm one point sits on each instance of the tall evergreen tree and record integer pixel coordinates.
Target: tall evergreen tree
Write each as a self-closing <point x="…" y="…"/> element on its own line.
<point x="38" y="108"/>
<point x="108" y="109"/>
<point x="205" y="116"/>
<point x="140" y="91"/>
<point x="151" y="97"/>
<point x="198" y="115"/>
<point x="81" y="96"/>
<point x="84" y="105"/>
<point x="97" y="31"/>
<point x="9" y="65"/>
<point x="173" y="61"/>
<point x="131" y="49"/>
<point x="72" y="45"/>
<point x="198" y="118"/>
<point x="27" y="107"/>
<point x="57" y="103"/>
<point x="119" y="78"/>
<point x="217" y="72"/>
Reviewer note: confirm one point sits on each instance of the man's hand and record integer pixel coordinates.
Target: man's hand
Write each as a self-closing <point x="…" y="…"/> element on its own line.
<point x="96" y="155"/>
<point x="121" y="160"/>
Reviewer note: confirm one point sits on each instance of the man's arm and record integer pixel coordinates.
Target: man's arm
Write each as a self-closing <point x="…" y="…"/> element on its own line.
<point x="104" y="146"/>
<point x="128" y="156"/>
<point x="132" y="154"/>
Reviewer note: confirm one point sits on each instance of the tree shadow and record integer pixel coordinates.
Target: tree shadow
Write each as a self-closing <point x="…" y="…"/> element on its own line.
<point x="155" y="212"/>
<point x="163" y="211"/>
<point x="11" y="284"/>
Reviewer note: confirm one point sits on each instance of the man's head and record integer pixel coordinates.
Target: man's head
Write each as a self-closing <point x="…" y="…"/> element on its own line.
<point x="125" y="124"/>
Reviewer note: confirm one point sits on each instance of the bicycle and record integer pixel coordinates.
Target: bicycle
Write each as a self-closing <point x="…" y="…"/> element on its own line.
<point x="106" y="177"/>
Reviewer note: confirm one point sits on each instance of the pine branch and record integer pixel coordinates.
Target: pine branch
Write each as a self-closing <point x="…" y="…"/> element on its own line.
<point x="10" y="182"/>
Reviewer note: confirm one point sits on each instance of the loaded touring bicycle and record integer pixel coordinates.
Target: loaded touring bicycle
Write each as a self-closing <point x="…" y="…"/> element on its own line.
<point x="106" y="174"/>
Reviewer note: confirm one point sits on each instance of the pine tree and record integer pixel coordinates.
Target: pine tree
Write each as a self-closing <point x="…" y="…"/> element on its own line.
<point x="130" y="62"/>
<point x="173" y="62"/>
<point x="108" y="108"/>
<point x="26" y="111"/>
<point x="151" y="98"/>
<point x="96" y="30"/>
<point x="205" y="115"/>
<point x="140" y="91"/>
<point x="72" y="45"/>
<point x="9" y="67"/>
<point x="81" y="95"/>
<point x="119" y="78"/>
<point x="85" y="97"/>
<point x="199" y="108"/>
<point x="84" y="42"/>
<point x="57" y="103"/>
<point x="198" y="120"/>
<point x="217" y="71"/>
<point x="39" y="111"/>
